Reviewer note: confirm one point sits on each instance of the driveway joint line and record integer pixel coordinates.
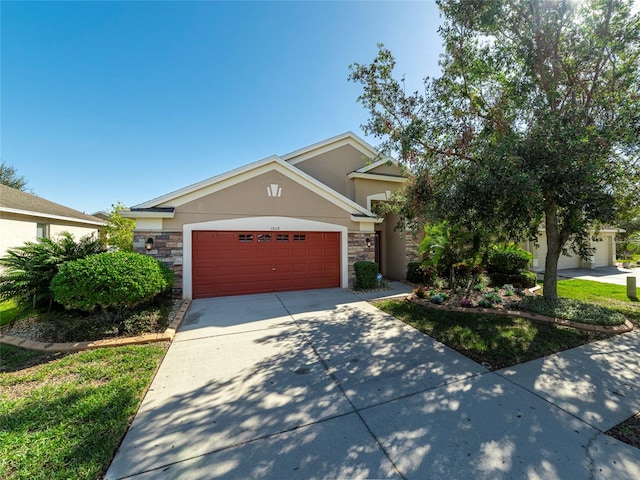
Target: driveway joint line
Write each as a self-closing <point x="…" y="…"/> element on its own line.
<point x="548" y="401"/>
<point x="339" y="385"/>
<point x="236" y="445"/>
<point x="230" y="334"/>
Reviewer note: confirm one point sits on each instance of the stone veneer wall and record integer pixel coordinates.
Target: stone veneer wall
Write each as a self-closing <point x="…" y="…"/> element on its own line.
<point x="412" y="243"/>
<point x="359" y="252"/>
<point x="167" y="247"/>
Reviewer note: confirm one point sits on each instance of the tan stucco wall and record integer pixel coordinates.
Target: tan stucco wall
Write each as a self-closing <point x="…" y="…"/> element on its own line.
<point x="395" y="249"/>
<point x="386" y="169"/>
<point x="250" y="199"/>
<point x="332" y="168"/>
<point x="365" y="187"/>
<point x="15" y="230"/>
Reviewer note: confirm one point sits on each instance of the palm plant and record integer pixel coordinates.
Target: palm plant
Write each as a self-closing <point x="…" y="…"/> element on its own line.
<point x="27" y="271"/>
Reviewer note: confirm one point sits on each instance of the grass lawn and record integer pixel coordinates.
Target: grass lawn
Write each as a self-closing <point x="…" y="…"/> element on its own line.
<point x="493" y="339"/>
<point x="8" y="312"/>
<point x="606" y="294"/>
<point x="63" y="416"/>
<point x="505" y="341"/>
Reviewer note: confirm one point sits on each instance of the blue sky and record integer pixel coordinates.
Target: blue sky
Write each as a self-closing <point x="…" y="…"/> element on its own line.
<point x="126" y="101"/>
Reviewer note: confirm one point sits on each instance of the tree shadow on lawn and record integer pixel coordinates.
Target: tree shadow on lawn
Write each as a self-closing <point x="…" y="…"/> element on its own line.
<point x="495" y="341"/>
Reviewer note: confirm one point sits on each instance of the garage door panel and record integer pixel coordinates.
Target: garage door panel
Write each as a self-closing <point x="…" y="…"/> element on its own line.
<point x="236" y="263"/>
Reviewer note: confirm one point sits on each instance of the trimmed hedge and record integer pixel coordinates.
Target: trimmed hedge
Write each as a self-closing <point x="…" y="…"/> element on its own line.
<point x="366" y="273"/>
<point x="116" y="280"/>
<point x="523" y="279"/>
<point x="508" y="259"/>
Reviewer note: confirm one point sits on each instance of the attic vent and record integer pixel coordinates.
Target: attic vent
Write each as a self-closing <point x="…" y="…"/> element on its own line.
<point x="274" y="190"/>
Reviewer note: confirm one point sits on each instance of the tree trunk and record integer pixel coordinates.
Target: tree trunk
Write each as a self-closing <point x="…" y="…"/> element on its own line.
<point x="554" y="249"/>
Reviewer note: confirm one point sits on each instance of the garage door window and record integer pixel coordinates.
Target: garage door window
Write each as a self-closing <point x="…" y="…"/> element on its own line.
<point x="299" y="237"/>
<point x="282" y="237"/>
<point x="264" y="237"/>
<point x="245" y="238"/>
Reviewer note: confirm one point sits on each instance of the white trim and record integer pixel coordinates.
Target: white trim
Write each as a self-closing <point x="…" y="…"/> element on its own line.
<point x="146" y="214"/>
<point x="253" y="170"/>
<point x="48" y="215"/>
<point x="257" y="224"/>
<point x="154" y="202"/>
<point x="377" y="176"/>
<point x="348" y="138"/>
<point x="374" y="165"/>
<point x="378" y="196"/>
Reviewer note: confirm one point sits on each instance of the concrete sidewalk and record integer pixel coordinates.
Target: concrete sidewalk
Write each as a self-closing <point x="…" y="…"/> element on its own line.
<point x="320" y="384"/>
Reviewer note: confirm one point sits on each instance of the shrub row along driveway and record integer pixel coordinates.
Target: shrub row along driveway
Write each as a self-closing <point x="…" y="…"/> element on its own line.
<point x="320" y="384"/>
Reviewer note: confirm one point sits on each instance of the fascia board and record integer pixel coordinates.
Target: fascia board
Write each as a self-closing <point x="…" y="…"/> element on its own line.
<point x="138" y="214"/>
<point x="376" y="164"/>
<point x="166" y="200"/>
<point x="373" y="176"/>
<point x="325" y="146"/>
<point x="53" y="217"/>
<point x="357" y="219"/>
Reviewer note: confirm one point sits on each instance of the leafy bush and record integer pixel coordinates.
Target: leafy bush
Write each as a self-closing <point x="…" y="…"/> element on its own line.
<point x="29" y="269"/>
<point x="507" y="258"/>
<point x="112" y="281"/>
<point x="418" y="272"/>
<point x="524" y="279"/>
<point x="575" y="310"/>
<point x="366" y="273"/>
<point x="484" y="303"/>
<point x="493" y="297"/>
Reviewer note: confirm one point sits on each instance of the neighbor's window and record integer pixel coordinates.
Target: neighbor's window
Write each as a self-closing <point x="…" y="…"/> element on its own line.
<point x="42" y="230"/>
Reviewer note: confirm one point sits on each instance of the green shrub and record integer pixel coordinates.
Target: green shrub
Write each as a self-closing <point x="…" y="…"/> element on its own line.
<point x="507" y="258"/>
<point x="575" y="310"/>
<point x="524" y="279"/>
<point x="29" y="269"/>
<point x="366" y="273"/>
<point x="418" y="272"/>
<point x="112" y="281"/>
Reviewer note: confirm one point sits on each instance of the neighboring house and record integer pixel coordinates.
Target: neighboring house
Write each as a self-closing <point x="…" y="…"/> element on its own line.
<point x="290" y="222"/>
<point x="25" y="218"/>
<point x="604" y="254"/>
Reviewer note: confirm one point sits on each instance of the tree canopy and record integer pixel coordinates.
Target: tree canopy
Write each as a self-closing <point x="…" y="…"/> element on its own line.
<point x="10" y="177"/>
<point x="119" y="230"/>
<point x="534" y="122"/>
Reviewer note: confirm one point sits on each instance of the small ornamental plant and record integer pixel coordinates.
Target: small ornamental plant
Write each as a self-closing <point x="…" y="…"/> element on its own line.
<point x="420" y="292"/>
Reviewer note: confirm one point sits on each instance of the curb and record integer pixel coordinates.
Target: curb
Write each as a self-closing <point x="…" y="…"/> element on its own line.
<point x="166" y="336"/>
<point x="627" y="326"/>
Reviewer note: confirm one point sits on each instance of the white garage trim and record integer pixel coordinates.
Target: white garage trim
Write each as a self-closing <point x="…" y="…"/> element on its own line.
<point x="256" y="224"/>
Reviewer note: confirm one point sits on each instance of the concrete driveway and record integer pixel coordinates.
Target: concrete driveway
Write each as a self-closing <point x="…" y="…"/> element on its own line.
<point x="320" y="384"/>
<point x="615" y="275"/>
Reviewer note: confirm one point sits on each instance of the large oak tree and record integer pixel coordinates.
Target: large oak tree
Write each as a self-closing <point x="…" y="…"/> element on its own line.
<point x="534" y="122"/>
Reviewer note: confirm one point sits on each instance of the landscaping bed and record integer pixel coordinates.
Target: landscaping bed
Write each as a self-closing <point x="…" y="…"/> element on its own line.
<point x="508" y="300"/>
<point x="75" y="326"/>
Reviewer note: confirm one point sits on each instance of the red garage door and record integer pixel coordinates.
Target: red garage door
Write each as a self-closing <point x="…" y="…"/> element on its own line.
<point x="239" y="263"/>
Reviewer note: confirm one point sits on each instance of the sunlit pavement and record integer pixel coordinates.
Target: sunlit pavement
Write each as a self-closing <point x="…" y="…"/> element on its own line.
<point x="320" y="384"/>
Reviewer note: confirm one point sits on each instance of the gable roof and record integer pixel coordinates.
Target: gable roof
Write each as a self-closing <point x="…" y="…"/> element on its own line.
<point x="236" y="176"/>
<point x="19" y="202"/>
<point x="347" y="138"/>
<point x="164" y="205"/>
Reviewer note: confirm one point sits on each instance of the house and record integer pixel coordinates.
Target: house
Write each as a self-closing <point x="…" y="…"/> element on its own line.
<point x="291" y="222"/>
<point x="25" y="218"/>
<point x="604" y="254"/>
